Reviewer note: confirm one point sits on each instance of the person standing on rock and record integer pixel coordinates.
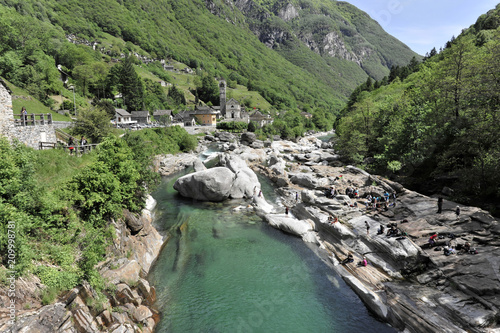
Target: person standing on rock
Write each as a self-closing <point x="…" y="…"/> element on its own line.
<point x="440" y="205"/>
<point x="286" y="210"/>
<point x="457" y="212"/>
<point x="367" y="228"/>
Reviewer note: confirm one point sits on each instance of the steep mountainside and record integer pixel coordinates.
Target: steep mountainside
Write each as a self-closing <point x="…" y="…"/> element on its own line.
<point x="295" y="53"/>
<point x="334" y="30"/>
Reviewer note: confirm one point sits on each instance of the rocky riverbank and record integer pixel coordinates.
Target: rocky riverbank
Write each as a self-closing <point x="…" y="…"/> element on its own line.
<point x="413" y="287"/>
<point x="127" y="306"/>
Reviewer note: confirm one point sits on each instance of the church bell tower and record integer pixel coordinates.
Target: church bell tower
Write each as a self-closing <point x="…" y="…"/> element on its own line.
<point x="222" y="96"/>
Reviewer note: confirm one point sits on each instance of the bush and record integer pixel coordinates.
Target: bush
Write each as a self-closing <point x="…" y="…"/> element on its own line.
<point x="95" y="192"/>
<point x="57" y="279"/>
<point x="232" y="126"/>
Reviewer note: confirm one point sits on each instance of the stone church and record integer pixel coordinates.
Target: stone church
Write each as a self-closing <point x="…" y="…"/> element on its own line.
<point x="230" y="110"/>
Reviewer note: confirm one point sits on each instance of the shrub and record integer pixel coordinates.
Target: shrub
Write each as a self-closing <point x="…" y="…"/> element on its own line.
<point x="57" y="279"/>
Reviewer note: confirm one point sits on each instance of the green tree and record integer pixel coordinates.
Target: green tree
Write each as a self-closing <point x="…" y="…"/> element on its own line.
<point x="176" y="96"/>
<point x="93" y="123"/>
<point x="106" y="105"/>
<point x="208" y="91"/>
<point x="454" y="72"/>
<point x="320" y="121"/>
<point x="252" y="127"/>
<point x="131" y="86"/>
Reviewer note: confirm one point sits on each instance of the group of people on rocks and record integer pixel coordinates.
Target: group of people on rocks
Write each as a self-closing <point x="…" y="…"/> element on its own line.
<point x="350" y="258"/>
<point x="392" y="230"/>
<point x="352" y="193"/>
<point x="331" y="192"/>
<point x="449" y="248"/>
<point x="380" y="203"/>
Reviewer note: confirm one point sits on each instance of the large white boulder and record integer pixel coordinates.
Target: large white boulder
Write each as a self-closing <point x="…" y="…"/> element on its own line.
<point x="245" y="178"/>
<point x="308" y="180"/>
<point x="209" y="185"/>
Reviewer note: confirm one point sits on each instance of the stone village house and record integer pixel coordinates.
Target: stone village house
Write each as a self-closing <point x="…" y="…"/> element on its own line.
<point x="185" y="117"/>
<point x="205" y="115"/>
<point x="141" y="117"/>
<point x="122" y="117"/>
<point x="163" y="116"/>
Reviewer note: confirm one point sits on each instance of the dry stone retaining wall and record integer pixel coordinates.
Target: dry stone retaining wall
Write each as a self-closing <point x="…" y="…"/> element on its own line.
<point x="6" y="113"/>
<point x="29" y="135"/>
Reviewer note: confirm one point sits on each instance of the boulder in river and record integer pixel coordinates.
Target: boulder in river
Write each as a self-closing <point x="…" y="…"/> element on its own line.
<point x="209" y="185"/>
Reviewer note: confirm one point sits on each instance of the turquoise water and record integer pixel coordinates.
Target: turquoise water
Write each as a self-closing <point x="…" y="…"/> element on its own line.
<point x="326" y="138"/>
<point x="226" y="271"/>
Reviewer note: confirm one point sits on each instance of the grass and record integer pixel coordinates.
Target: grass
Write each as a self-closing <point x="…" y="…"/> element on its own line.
<point x="241" y="93"/>
<point x="54" y="166"/>
<point x="21" y="98"/>
<point x="146" y="74"/>
<point x="49" y="295"/>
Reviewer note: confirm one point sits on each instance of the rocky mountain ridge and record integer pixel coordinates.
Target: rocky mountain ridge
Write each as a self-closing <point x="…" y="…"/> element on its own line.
<point x="331" y="30"/>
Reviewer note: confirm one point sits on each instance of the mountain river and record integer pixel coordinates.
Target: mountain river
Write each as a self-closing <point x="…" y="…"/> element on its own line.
<point x="228" y="271"/>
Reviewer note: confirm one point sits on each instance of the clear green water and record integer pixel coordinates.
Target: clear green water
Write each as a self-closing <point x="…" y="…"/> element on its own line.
<point x="230" y="272"/>
<point x="326" y="138"/>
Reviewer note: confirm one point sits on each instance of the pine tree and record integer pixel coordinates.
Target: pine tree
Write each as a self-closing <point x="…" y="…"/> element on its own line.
<point x="131" y="86"/>
<point x="177" y="96"/>
<point x="209" y="90"/>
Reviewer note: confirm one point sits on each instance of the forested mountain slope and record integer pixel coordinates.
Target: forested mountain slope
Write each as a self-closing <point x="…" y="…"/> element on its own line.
<point x="294" y="53"/>
<point x="438" y="126"/>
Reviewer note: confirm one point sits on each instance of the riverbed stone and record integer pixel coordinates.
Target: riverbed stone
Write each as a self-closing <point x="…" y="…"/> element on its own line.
<point x="245" y="178"/>
<point x="46" y="319"/>
<point x="129" y="271"/>
<point x="134" y="222"/>
<point x="142" y="313"/>
<point x="307" y="180"/>
<point x="225" y="136"/>
<point x="199" y="166"/>
<point x="124" y="294"/>
<point x="107" y="318"/>
<point x="147" y="291"/>
<point x="247" y="138"/>
<point x="209" y="185"/>
<point x="288" y="224"/>
<point x="84" y="322"/>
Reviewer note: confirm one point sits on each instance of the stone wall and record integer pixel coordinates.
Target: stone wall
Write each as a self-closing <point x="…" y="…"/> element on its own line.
<point x="6" y="112"/>
<point x="32" y="135"/>
<point x="62" y="124"/>
<point x="29" y="135"/>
